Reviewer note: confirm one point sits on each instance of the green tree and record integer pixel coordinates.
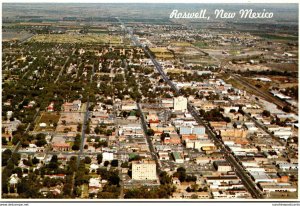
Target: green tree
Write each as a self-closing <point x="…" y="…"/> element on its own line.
<point x="150" y="132"/>
<point x="87" y="160"/>
<point x="99" y="158"/>
<point x="114" y="163"/>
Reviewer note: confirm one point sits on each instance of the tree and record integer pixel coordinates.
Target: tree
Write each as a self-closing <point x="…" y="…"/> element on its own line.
<point x="164" y="178"/>
<point x="79" y="126"/>
<point x="4" y="141"/>
<point x="99" y="158"/>
<point x="181" y="174"/>
<point x="266" y="113"/>
<point x="287" y="109"/>
<point x="114" y="163"/>
<point x="106" y="163"/>
<point x="114" y="179"/>
<point x="97" y="130"/>
<point x="18" y="171"/>
<point x="41" y="142"/>
<point x="150" y="132"/>
<point x="87" y="160"/>
<point x="188" y="189"/>
<point x="75" y="147"/>
<point x="125" y="165"/>
<point x="15" y="157"/>
<point x="35" y="161"/>
<point x="54" y="159"/>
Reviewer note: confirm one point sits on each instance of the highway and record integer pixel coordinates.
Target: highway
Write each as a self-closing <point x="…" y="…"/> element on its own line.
<point x="240" y="171"/>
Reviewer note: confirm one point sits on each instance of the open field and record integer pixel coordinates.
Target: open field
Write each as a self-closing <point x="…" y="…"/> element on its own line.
<point x="161" y="52"/>
<point x="181" y="44"/>
<point x="77" y="38"/>
<point x="201" y="44"/>
<point x="11" y="35"/>
<point x="49" y="119"/>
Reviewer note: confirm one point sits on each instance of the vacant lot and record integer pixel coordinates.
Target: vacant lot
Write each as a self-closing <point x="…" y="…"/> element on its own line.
<point x="181" y="44"/>
<point x="161" y="52"/>
<point x="50" y="119"/>
<point x="77" y="38"/>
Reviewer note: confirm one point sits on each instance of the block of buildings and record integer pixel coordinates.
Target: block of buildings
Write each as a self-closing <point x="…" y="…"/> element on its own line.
<point x="144" y="170"/>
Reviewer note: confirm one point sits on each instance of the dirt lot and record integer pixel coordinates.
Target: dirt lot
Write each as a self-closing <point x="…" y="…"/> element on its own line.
<point x="69" y="121"/>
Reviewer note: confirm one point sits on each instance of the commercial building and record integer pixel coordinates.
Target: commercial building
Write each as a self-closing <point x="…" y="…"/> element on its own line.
<point x="144" y="170"/>
<point x="180" y="103"/>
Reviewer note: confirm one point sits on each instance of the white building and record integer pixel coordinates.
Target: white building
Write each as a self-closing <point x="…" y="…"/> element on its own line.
<point x="107" y="156"/>
<point x="180" y="103"/>
<point x="144" y="170"/>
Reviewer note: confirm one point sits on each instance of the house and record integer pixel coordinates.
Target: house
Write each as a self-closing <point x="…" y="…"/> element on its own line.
<point x="61" y="147"/>
<point x="50" y="108"/>
<point x="128" y="105"/>
<point x="94" y="185"/>
<point x="72" y="106"/>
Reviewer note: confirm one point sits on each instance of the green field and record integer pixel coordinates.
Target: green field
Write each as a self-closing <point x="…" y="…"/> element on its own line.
<point x="77" y="38"/>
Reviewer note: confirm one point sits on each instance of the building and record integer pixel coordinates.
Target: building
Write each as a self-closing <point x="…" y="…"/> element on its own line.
<point x="180" y="103"/>
<point x="61" y="147"/>
<point x="72" y="106"/>
<point x="128" y="105"/>
<point x="144" y="170"/>
<point x="178" y="157"/>
<point x="198" y="130"/>
<point x="222" y="166"/>
<point x="107" y="156"/>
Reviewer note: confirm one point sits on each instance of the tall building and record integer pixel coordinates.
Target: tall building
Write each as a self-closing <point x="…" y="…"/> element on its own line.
<point x="180" y="103"/>
<point x="144" y="170"/>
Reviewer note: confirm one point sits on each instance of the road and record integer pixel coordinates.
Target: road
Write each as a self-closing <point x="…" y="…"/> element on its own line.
<point x="85" y="120"/>
<point x="62" y="68"/>
<point x="264" y="128"/>
<point x="150" y="144"/>
<point x="240" y="171"/>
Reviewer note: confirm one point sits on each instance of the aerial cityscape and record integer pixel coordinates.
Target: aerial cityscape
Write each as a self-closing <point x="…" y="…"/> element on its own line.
<point x="121" y="101"/>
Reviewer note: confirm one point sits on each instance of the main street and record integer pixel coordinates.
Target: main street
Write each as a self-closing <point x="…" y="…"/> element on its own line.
<point x="240" y="171"/>
<point x="152" y="150"/>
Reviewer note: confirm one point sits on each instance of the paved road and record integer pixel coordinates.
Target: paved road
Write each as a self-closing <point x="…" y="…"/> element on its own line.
<point x="240" y="171"/>
<point x="85" y="120"/>
<point x="151" y="147"/>
<point x="264" y="128"/>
